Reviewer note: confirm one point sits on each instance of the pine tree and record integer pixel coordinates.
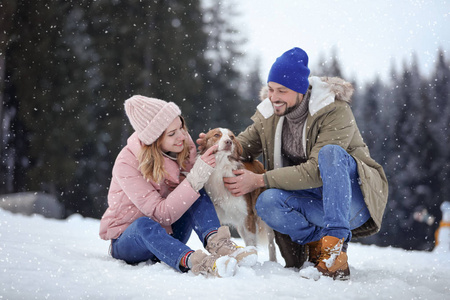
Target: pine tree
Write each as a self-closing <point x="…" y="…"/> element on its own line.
<point x="251" y="86"/>
<point x="224" y="80"/>
<point x="35" y="65"/>
<point x="8" y="107"/>
<point x="369" y="119"/>
<point x="329" y="66"/>
<point x="440" y="124"/>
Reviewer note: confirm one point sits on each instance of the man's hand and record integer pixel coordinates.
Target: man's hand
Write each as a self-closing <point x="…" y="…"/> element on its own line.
<point x="201" y="142"/>
<point x="244" y="182"/>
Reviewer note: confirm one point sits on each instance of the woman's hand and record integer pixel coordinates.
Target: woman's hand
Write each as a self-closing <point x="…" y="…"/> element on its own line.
<point x="202" y="169"/>
<point x="209" y="157"/>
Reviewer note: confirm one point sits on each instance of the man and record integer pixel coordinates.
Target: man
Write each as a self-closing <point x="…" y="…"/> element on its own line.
<point x="322" y="185"/>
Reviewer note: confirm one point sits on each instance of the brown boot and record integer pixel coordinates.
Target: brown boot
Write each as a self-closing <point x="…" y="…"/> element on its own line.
<point x="314" y="251"/>
<point x="294" y="254"/>
<point x="332" y="260"/>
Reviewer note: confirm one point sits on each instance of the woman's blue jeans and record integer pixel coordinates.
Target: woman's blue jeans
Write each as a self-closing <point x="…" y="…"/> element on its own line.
<point x="146" y="239"/>
<point x="333" y="209"/>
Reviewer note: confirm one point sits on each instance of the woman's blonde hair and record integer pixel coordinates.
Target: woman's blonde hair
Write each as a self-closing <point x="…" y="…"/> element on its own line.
<point x="151" y="158"/>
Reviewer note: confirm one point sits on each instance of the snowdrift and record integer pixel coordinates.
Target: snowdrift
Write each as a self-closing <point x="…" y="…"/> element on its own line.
<point x="65" y="259"/>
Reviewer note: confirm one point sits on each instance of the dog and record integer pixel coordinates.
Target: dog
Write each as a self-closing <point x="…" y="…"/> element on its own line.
<point x="239" y="212"/>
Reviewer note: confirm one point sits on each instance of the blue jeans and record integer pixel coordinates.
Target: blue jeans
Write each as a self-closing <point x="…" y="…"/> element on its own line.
<point x="145" y="239"/>
<point x="333" y="209"/>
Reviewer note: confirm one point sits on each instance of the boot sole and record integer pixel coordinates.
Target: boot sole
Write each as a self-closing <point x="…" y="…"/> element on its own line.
<point x="342" y="274"/>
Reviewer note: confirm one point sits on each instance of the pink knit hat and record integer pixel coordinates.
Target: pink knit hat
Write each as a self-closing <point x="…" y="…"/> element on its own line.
<point x="150" y="117"/>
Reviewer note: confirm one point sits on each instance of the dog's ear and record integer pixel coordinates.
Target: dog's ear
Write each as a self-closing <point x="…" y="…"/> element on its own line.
<point x="205" y="146"/>
<point x="237" y="149"/>
<point x="207" y="142"/>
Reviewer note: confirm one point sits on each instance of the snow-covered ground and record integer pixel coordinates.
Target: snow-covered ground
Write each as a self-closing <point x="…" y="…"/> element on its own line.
<point x="53" y="259"/>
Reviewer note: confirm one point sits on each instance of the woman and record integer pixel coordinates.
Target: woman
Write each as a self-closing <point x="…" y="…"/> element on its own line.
<point x="153" y="207"/>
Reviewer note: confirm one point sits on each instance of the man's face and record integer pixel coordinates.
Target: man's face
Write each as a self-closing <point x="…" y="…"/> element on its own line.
<point x="284" y="100"/>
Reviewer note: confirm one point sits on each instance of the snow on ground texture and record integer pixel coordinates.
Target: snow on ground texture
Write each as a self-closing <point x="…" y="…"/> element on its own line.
<point x="53" y="259"/>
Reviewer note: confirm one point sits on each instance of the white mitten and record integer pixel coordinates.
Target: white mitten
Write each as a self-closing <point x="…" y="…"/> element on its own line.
<point x="199" y="174"/>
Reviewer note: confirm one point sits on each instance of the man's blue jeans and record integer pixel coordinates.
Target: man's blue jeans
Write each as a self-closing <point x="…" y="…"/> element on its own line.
<point x="146" y="239"/>
<point x="333" y="209"/>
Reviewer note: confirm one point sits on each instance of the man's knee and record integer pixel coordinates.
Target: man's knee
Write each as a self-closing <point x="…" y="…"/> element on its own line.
<point x="331" y="151"/>
<point x="330" y="155"/>
<point x="266" y="201"/>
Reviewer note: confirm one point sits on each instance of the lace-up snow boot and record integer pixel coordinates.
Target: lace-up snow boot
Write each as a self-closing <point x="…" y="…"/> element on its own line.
<point x="333" y="261"/>
<point x="212" y="265"/>
<point x="220" y="244"/>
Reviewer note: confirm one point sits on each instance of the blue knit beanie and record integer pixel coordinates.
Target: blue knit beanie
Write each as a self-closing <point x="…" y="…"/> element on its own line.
<point x="291" y="70"/>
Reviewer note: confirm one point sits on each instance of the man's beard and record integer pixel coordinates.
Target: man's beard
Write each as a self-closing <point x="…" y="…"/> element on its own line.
<point x="292" y="108"/>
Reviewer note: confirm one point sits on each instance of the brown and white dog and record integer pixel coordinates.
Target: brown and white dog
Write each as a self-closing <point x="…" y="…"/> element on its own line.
<point x="238" y="212"/>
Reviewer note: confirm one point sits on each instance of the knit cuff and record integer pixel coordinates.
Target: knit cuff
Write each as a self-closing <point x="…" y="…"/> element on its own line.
<point x="266" y="183"/>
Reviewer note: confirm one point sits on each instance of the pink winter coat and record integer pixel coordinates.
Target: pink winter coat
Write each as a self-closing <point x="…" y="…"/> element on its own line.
<point x="131" y="196"/>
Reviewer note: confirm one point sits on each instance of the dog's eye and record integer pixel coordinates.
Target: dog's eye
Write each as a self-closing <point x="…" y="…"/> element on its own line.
<point x="217" y="135"/>
<point x="232" y="137"/>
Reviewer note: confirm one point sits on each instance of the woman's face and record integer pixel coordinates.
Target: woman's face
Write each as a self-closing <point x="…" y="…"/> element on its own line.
<point x="173" y="138"/>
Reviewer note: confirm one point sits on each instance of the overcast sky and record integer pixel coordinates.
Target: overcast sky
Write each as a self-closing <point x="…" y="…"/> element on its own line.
<point x="369" y="36"/>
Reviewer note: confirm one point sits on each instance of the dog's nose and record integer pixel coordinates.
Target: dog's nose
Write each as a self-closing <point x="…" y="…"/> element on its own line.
<point x="228" y="142"/>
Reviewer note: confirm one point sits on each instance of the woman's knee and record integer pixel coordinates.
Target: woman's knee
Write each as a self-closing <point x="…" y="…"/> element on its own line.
<point x="144" y="221"/>
<point x="146" y="224"/>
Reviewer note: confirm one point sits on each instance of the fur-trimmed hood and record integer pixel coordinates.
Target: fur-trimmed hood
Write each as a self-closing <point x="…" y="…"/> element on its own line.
<point x="323" y="91"/>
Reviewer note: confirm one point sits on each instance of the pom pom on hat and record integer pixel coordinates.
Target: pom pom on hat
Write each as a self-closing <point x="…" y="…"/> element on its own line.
<point x="291" y="70"/>
<point x="150" y="117"/>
